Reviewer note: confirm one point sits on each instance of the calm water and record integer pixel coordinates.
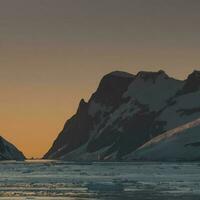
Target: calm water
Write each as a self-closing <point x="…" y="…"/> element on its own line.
<point x="67" y="180"/>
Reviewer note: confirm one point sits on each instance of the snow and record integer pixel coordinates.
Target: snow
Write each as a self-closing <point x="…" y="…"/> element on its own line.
<point x="173" y="132"/>
<point x="173" y="117"/>
<point x="95" y="108"/>
<point x="153" y="94"/>
<point x="81" y="154"/>
<point x="124" y="111"/>
<point x="172" y="145"/>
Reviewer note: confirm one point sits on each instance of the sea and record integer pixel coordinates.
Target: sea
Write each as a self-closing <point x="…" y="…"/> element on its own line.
<point x="58" y="180"/>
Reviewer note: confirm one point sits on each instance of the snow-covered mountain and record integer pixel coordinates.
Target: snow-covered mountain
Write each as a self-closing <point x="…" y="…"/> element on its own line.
<point x="9" y="152"/>
<point x="124" y="113"/>
<point x="179" y="144"/>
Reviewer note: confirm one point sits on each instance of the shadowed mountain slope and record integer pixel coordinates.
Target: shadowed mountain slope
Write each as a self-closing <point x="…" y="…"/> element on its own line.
<point x="9" y="152"/>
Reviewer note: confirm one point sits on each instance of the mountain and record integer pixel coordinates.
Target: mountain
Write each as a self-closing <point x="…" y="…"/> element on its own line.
<point x="9" y="152"/>
<point x="179" y="144"/>
<point x="124" y="113"/>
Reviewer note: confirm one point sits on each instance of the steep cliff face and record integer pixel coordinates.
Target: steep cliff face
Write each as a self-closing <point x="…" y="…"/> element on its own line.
<point x="78" y="130"/>
<point x="9" y="152"/>
<point x="125" y="112"/>
<point x="192" y="84"/>
<point x="74" y="134"/>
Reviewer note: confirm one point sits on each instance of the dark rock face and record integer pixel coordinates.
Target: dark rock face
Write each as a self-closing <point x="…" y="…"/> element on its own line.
<point x="125" y="112"/>
<point x="151" y="75"/>
<point x="9" y="152"/>
<point x="192" y="83"/>
<point x="189" y="111"/>
<point x="111" y="89"/>
<point x="74" y="134"/>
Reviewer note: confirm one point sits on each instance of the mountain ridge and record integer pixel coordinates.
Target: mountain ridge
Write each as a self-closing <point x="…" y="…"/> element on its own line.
<point x="125" y="112"/>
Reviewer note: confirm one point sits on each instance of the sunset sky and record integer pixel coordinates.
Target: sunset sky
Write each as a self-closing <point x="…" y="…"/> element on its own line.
<point x="54" y="52"/>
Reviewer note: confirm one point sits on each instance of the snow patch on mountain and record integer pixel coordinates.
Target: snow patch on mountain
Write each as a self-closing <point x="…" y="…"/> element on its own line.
<point x="154" y="94"/>
<point x="173" y="114"/>
<point x="95" y="107"/>
<point x="181" y="143"/>
<point x="81" y="154"/>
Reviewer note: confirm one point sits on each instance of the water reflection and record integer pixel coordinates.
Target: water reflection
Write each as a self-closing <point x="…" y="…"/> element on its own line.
<point x="68" y="180"/>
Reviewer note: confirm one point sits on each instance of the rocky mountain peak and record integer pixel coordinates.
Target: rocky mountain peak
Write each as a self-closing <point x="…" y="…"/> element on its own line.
<point x="145" y="75"/>
<point x="192" y="83"/>
<point x="112" y="87"/>
<point x="120" y="74"/>
<point x="195" y="75"/>
<point x="82" y="105"/>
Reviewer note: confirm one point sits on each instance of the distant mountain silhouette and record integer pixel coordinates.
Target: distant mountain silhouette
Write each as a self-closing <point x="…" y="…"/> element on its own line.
<point x="9" y="152"/>
<point x="126" y="112"/>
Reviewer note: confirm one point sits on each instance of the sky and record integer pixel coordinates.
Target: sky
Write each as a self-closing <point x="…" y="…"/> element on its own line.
<point x="54" y="52"/>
